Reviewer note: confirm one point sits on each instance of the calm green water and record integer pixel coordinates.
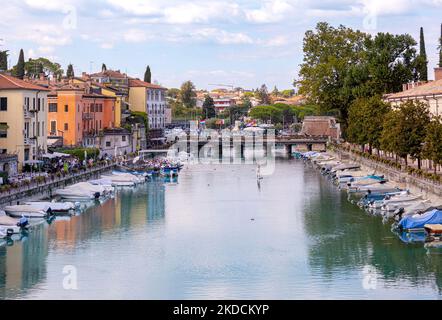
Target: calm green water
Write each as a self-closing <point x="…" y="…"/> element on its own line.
<point x="197" y="240"/>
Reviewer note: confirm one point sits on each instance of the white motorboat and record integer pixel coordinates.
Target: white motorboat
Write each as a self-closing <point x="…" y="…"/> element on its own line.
<point x="398" y="201"/>
<point x="10" y="230"/>
<point x="8" y="223"/>
<point x="61" y="207"/>
<point x="379" y="203"/>
<point x="77" y="194"/>
<point x="129" y="176"/>
<point x="410" y="209"/>
<point x="28" y="211"/>
<point x="83" y="191"/>
<point x="122" y="180"/>
<point x="373" y="188"/>
<point x="105" y="183"/>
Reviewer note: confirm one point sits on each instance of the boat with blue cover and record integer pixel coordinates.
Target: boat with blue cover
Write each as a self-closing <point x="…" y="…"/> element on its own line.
<point x="418" y="222"/>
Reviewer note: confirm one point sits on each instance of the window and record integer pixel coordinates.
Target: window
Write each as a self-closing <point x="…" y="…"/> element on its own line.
<point x="66" y="108"/>
<point x="3" y="104"/>
<point x="38" y="104"/>
<point x="53" y="127"/>
<point x="52" y="107"/>
<point x="123" y="138"/>
<point x="108" y="143"/>
<point x="43" y="104"/>
<point x="3" y="130"/>
<point x="66" y="127"/>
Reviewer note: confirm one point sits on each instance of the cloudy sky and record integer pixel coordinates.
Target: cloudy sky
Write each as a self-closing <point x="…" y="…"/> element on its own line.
<point x="236" y="42"/>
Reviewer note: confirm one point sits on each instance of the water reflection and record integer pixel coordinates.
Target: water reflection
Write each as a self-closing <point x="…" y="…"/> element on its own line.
<point x="343" y="237"/>
<point x="23" y="263"/>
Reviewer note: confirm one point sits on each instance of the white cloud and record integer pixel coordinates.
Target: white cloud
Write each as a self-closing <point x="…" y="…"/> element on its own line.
<point x="277" y="41"/>
<point x="200" y="13"/>
<point x="221" y="36"/>
<point x="271" y="11"/>
<point x="135" y="36"/>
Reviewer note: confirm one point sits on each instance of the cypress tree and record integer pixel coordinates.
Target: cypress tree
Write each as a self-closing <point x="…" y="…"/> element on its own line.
<point x="148" y="75"/>
<point x="70" y="71"/>
<point x="4" y="60"/>
<point x="440" y="47"/>
<point x="20" y="67"/>
<point x="103" y="68"/>
<point x="423" y="68"/>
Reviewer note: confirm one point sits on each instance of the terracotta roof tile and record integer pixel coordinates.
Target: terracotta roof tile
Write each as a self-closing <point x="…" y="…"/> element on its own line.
<point x="139" y="83"/>
<point x="12" y="83"/>
<point x="428" y="89"/>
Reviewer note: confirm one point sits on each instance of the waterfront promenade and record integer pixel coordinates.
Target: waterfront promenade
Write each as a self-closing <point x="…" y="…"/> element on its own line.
<point x="45" y="188"/>
<point x="428" y="187"/>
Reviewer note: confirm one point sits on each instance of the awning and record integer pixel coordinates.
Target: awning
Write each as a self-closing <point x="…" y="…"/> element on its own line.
<point x="31" y="162"/>
<point x="55" y="155"/>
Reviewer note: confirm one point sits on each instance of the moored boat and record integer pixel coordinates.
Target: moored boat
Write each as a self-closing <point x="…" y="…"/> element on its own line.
<point x="28" y="211"/>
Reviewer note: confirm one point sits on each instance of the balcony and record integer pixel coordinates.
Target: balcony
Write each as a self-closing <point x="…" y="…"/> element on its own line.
<point x="29" y="141"/>
<point x="88" y="116"/>
<point x="27" y="114"/>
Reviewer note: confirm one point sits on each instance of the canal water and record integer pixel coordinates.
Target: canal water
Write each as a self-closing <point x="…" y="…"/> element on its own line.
<point x="217" y="235"/>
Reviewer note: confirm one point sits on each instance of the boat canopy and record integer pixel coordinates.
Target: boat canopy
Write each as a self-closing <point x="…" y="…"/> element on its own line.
<point x="418" y="222"/>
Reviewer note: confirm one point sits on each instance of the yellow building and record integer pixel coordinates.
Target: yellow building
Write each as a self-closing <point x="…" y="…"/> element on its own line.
<point x="23" y="118"/>
<point x="149" y="98"/>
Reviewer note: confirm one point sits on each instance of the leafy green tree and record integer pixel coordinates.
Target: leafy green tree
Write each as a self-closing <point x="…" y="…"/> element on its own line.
<point x="266" y="114"/>
<point x="388" y="62"/>
<point x="404" y="130"/>
<point x="365" y="122"/>
<point x="275" y="92"/>
<point x="4" y="60"/>
<point x="188" y="94"/>
<point x="173" y="93"/>
<point x="391" y="136"/>
<point x="245" y="102"/>
<point x="35" y="67"/>
<point x="422" y="62"/>
<point x="209" y="107"/>
<point x="432" y="148"/>
<point x="263" y="95"/>
<point x="328" y="53"/>
<point x="148" y="75"/>
<point x="19" y="69"/>
<point x="70" y="71"/>
<point x="288" y="93"/>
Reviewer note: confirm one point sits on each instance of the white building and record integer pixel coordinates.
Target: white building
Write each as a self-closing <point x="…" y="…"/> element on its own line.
<point x="149" y="98"/>
<point x="115" y="142"/>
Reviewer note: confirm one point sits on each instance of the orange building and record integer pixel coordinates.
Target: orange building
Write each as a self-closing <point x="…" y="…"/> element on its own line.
<point x="78" y="114"/>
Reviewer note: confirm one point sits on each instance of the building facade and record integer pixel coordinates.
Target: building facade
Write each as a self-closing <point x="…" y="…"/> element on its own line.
<point x="429" y="93"/>
<point x="151" y="99"/>
<point x="23" y="118"/>
<point x="79" y="116"/>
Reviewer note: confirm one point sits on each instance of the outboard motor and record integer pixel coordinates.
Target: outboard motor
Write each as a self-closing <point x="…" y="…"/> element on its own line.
<point x="9" y="233"/>
<point x="399" y="213"/>
<point x="50" y="212"/>
<point x="23" y="223"/>
<point x="97" y="195"/>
